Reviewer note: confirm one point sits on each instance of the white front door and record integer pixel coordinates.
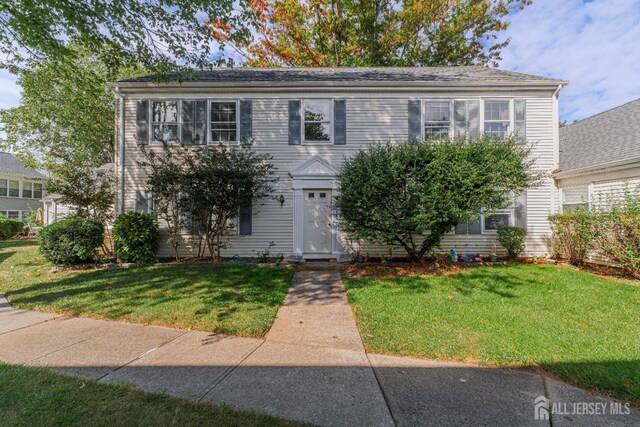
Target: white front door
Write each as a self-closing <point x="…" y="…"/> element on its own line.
<point x="317" y="222"/>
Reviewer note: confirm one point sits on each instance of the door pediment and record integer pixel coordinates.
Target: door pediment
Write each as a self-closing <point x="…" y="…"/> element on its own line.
<point x="314" y="168"/>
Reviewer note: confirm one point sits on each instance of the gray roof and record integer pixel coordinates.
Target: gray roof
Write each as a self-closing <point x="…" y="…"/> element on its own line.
<point x="611" y="136"/>
<point x="9" y="164"/>
<point x="359" y="74"/>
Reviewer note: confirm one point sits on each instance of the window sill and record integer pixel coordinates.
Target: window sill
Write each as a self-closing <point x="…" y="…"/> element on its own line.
<point x="317" y="143"/>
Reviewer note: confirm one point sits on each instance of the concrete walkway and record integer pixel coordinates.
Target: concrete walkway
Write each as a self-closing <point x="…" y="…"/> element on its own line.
<point x="311" y="367"/>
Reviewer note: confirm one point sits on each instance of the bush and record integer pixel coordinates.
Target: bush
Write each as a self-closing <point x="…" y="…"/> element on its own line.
<point x="136" y="237"/>
<point x="572" y="236"/>
<point x="617" y="236"/>
<point x="9" y="228"/>
<point x="512" y="239"/>
<point x="72" y="240"/>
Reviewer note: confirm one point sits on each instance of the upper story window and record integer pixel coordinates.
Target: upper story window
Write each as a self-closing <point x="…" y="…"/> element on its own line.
<point x="37" y="190"/>
<point x="437" y="118"/>
<point x="497" y="121"/>
<point x="3" y="188"/>
<point x="317" y="120"/>
<point x="27" y="190"/>
<point x="164" y="121"/>
<point x="224" y="122"/>
<point x="14" y="188"/>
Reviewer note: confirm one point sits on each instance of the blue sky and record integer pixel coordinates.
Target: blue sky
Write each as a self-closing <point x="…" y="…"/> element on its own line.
<point x="593" y="43"/>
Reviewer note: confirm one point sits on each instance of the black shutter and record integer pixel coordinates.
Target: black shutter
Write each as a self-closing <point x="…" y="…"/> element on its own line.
<point x="246" y="122"/>
<point x="187" y="122"/>
<point x="294" y="122"/>
<point x="244" y="220"/>
<point x="142" y="122"/>
<point x="521" y="210"/>
<point x="415" y="113"/>
<point x="340" y="122"/>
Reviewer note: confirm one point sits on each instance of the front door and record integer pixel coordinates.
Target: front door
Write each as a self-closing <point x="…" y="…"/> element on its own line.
<point x="317" y="222"/>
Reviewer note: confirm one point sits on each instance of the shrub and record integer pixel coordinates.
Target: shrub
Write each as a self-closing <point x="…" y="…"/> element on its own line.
<point x="72" y="240"/>
<point x="512" y="239"/>
<point x="617" y="236"/>
<point x="9" y="228"/>
<point x="572" y="236"/>
<point x="135" y="236"/>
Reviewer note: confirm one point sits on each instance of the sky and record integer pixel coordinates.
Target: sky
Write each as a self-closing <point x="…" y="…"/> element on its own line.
<point x="595" y="44"/>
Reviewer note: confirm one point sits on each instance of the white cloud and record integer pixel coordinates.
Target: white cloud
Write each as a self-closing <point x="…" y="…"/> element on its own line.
<point x="594" y="44"/>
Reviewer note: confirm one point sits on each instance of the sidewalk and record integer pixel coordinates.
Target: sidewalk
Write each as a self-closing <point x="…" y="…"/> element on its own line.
<point x="311" y="367"/>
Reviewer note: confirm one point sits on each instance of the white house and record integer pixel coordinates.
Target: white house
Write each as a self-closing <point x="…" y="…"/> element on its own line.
<point x="21" y="188"/>
<point x="600" y="158"/>
<point x="275" y="110"/>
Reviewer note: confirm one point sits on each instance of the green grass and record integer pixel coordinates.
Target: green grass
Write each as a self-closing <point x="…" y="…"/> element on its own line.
<point x="237" y="300"/>
<point x="581" y="327"/>
<point x="35" y="396"/>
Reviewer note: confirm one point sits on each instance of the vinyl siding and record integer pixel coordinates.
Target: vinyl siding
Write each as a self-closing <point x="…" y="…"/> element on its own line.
<point x="371" y="119"/>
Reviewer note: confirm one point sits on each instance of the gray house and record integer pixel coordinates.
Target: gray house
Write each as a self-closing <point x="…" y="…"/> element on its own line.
<point x="21" y="188"/>
<point x="279" y="111"/>
<point x="600" y="158"/>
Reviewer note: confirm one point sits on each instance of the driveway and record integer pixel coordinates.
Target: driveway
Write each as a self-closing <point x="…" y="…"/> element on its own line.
<point x="311" y="367"/>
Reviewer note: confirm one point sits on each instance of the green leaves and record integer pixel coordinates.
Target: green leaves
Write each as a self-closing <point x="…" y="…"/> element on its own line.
<point x="136" y="236"/>
<point x="72" y="240"/>
<point x="410" y="195"/>
<point x="513" y="240"/>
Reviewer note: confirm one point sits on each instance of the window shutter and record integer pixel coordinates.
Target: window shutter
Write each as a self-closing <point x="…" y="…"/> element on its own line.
<point x="244" y="220"/>
<point x="520" y="105"/>
<point x="460" y="114"/>
<point x="142" y="204"/>
<point x="415" y="112"/>
<point x="187" y="122"/>
<point x="142" y="122"/>
<point x="295" y="128"/>
<point x="340" y="122"/>
<point x="473" y="118"/>
<point x="246" y="122"/>
<point x="521" y="210"/>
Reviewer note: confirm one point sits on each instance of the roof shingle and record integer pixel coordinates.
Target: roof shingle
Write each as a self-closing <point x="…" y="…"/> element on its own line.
<point x="610" y="136"/>
<point x="9" y="164"/>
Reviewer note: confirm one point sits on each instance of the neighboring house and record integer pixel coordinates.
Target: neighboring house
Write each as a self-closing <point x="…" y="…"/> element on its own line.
<point x="310" y="120"/>
<point x="600" y="158"/>
<point x="21" y="188"/>
<point x="54" y="209"/>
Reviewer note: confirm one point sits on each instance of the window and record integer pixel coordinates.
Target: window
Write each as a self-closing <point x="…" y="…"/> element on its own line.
<point x="14" y="188"/>
<point x="37" y="191"/>
<point x="13" y="214"/>
<point x="317" y="120"/>
<point x="224" y="122"/>
<point x="437" y="118"/>
<point x="25" y="216"/>
<point x="470" y="226"/>
<point x="312" y="195"/>
<point x="27" y="190"/>
<point x="496" y="118"/>
<point x="164" y="116"/>
<point x="575" y="199"/>
<point x="194" y="122"/>
<point x="3" y="187"/>
<point x="497" y="220"/>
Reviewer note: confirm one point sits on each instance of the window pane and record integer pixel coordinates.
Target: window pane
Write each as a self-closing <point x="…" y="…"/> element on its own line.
<point x="165" y="111"/>
<point x="317" y="131"/>
<point x="3" y="187"/>
<point x="13" y="214"/>
<point x="317" y="110"/>
<point x="37" y="191"/>
<point x="27" y="190"/>
<point x="496" y="128"/>
<point x="223" y="112"/>
<point x="25" y="216"/>
<point x="435" y="129"/>
<point x="437" y="111"/>
<point x="223" y="132"/>
<point x="578" y="207"/>
<point x="493" y="222"/>
<point x="575" y="195"/>
<point x="14" y="189"/>
<point x="194" y="133"/>
<point x="496" y="110"/>
<point x="165" y="132"/>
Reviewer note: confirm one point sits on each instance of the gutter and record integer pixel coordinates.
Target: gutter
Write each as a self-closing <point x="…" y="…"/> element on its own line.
<point x="601" y="168"/>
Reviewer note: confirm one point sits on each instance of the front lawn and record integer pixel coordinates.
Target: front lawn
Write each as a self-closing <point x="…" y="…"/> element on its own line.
<point x="236" y="300"/>
<point x="581" y="327"/>
<point x="35" y="396"/>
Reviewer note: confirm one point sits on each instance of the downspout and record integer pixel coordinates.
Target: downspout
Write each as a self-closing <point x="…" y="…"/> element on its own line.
<point x="121" y="150"/>
<point x="555" y="208"/>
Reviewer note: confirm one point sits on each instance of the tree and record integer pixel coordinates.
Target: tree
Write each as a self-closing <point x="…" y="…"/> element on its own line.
<point x="66" y="113"/>
<point x="203" y="188"/>
<point x="155" y="33"/>
<point x="410" y="195"/>
<point x="370" y="32"/>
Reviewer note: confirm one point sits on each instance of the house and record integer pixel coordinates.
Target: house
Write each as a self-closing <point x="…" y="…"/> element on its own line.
<point x="21" y="188"/>
<point x="310" y="120"/>
<point x="600" y="159"/>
